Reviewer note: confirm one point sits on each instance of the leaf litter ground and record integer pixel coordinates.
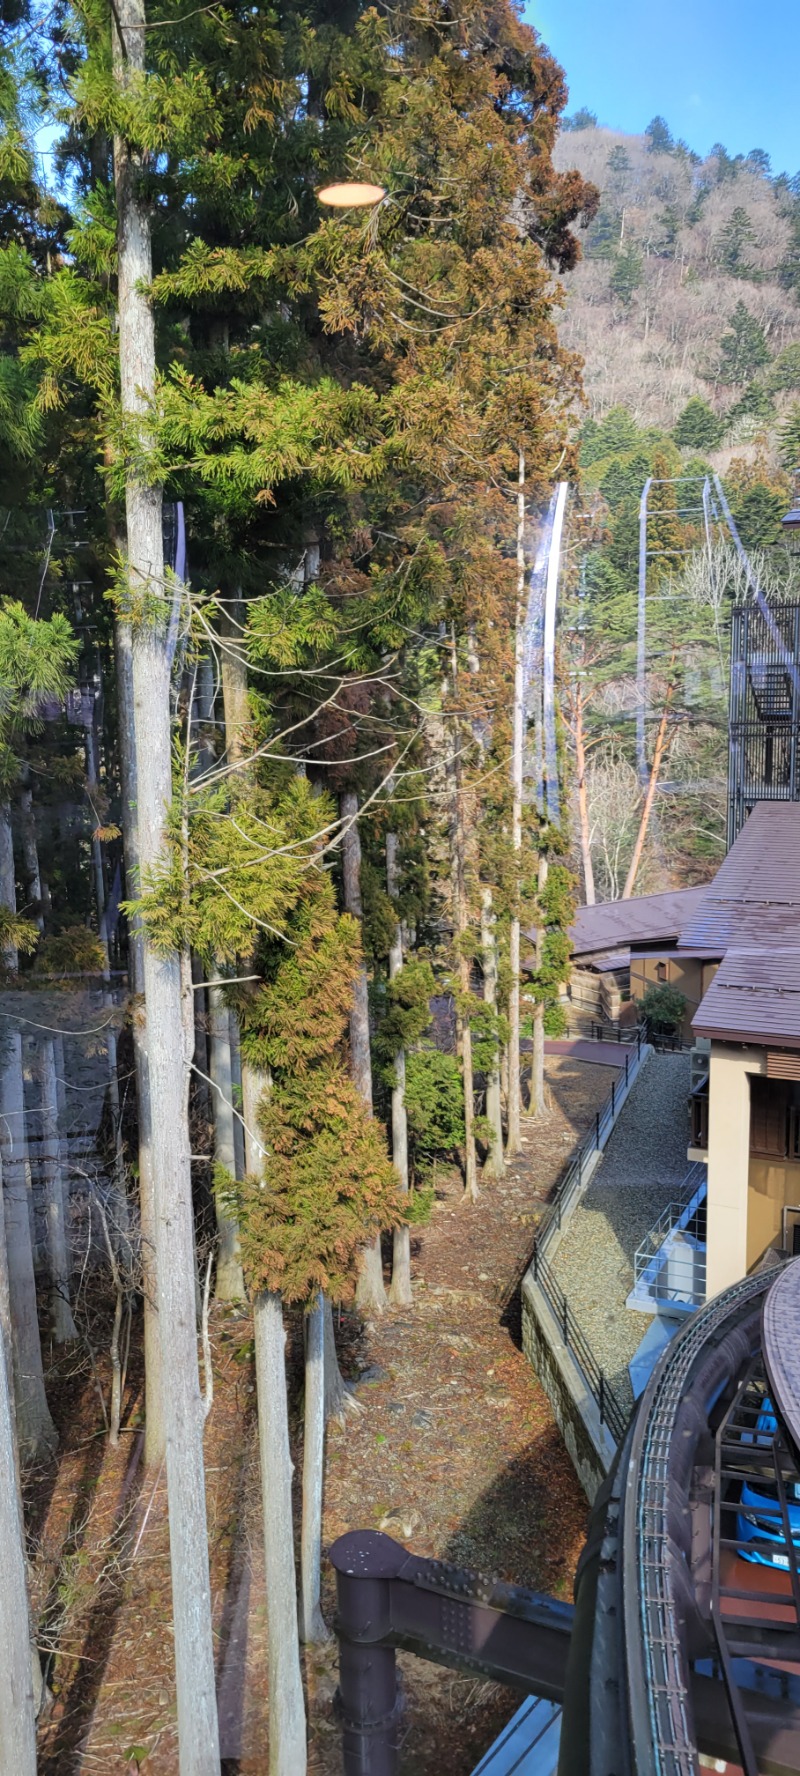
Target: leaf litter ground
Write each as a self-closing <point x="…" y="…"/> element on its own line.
<point x="456" y="1454"/>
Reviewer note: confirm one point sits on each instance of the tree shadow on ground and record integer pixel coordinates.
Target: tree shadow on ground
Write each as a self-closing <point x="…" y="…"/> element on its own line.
<point x="520" y="1529"/>
<point x="62" y="1752"/>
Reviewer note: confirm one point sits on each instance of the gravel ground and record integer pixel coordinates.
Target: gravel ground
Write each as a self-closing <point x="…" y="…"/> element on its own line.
<point x="643" y="1165"/>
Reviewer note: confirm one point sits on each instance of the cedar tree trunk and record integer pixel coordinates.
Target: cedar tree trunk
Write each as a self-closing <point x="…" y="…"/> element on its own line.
<point x="370" y="1292"/>
<point x="167" y="1050"/>
<point x="517" y="749"/>
<point x="400" y="1291"/>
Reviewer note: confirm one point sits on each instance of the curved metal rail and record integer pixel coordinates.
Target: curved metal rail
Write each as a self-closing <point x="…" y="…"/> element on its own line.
<point x="654" y="1587"/>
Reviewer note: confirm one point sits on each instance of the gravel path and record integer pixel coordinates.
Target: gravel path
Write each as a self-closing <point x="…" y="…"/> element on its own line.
<point x="643" y="1165"/>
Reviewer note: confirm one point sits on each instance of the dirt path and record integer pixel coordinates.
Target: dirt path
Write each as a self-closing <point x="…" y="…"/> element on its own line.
<point x="456" y="1454"/>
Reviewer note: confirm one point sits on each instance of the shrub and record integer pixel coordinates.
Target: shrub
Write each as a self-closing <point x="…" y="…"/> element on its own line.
<point x="664" y="1008"/>
<point x="434" y="1107"/>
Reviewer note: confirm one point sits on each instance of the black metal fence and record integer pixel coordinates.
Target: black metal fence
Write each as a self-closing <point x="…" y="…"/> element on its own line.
<point x="764" y="733"/>
<point x="612" y="1411"/>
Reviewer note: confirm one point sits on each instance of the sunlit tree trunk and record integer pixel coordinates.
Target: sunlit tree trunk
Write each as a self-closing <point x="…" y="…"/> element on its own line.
<point x="167" y="1051"/>
<point x="400" y="1291"/>
<point x="154" y="1433"/>
<point x="30" y="849"/>
<point x="537" y="1063"/>
<point x="230" y="1281"/>
<point x="370" y="1292"/>
<point x="495" y="1163"/>
<point x="312" y="1626"/>
<point x="517" y="752"/>
<point x="461" y="926"/>
<point x="659" y="750"/>
<point x="224" y="1028"/>
<point x="35" y="1428"/>
<point x="57" y="1231"/>
<point x="287" y="1717"/>
<point x="17" y="1713"/>
<point x="583" y="800"/>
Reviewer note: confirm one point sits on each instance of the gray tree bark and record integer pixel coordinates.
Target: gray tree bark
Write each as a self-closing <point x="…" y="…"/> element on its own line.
<point x="154" y="1433"/>
<point x="370" y="1291"/>
<point x="312" y="1624"/>
<point x="229" y="1281"/>
<point x="495" y="1162"/>
<point x="400" y="1291"/>
<point x="458" y="877"/>
<point x="237" y="1085"/>
<point x="35" y="1429"/>
<point x="58" y="1251"/>
<point x="167" y="1046"/>
<point x="17" y="1713"/>
<point x="537" y="1061"/>
<point x="30" y="849"/>
<point x="287" y="1716"/>
<point x="517" y="751"/>
<point x="228" y="1130"/>
<point x="287" y="1719"/>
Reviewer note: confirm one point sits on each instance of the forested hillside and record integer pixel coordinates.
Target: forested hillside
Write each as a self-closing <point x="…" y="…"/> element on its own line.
<point x="684" y="309"/>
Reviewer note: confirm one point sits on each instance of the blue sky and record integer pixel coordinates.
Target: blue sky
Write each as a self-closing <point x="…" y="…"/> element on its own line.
<point x="717" y="70"/>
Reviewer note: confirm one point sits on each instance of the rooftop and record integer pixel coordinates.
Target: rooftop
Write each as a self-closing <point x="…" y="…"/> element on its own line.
<point x="754" y="898"/>
<point x="620" y="924"/>
<point x="754" y="997"/>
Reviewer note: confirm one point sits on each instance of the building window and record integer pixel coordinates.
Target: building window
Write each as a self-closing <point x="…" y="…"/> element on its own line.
<point x="699" y="1108"/>
<point x="662" y="971"/>
<point x="775" y="1118"/>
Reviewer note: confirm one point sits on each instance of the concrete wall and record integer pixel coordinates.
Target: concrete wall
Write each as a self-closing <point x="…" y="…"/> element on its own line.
<point x="589" y="1443"/>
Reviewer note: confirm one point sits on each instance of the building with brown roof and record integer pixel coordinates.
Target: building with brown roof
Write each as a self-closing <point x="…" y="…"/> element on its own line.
<point x="733" y="949"/>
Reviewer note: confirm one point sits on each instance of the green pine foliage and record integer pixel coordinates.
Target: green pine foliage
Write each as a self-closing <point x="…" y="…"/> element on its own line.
<point x="697" y="426"/>
<point x="743" y="348"/>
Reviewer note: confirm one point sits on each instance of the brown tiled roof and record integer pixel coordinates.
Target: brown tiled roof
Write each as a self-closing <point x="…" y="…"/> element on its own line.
<point x="754" y="997"/>
<point x="648" y="918"/>
<point x="755" y="895"/>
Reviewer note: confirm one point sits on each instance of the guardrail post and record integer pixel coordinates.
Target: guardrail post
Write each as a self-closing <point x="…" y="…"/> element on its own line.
<point x="565" y="1318"/>
<point x="536" y="1261"/>
<point x="627" y="1058"/>
<point x="601" y="1401"/>
<point x="597" y="1129"/>
<point x="613" y="1101"/>
<point x="365" y="1561"/>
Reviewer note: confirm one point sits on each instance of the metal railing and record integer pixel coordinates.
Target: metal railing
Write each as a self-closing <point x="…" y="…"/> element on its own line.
<point x="651" y="1263"/>
<point x="605" y="1118"/>
<point x="612" y="1411"/>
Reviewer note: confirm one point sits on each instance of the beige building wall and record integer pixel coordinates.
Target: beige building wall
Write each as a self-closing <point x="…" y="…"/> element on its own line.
<point x="729" y="1164"/>
<point x="774" y="1184"/>
<point x="688" y="975"/>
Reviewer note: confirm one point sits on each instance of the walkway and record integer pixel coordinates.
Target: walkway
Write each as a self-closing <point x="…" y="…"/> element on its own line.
<point x="643" y="1165"/>
<point x="604" y="1054"/>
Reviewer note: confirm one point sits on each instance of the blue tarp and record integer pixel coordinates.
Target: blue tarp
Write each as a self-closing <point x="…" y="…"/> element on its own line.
<point x="528" y="1746"/>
